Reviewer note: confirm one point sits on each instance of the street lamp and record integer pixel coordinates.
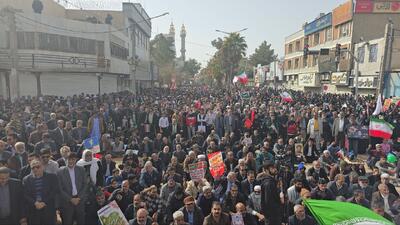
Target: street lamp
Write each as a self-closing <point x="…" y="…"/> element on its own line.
<point x="133" y="63"/>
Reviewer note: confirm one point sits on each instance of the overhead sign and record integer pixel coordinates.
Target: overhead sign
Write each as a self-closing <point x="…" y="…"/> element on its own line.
<point x="307" y="79"/>
<point x="343" y="13"/>
<point x="326" y="63"/>
<point x="339" y="78"/>
<point x="318" y="24"/>
<point x="366" y="82"/>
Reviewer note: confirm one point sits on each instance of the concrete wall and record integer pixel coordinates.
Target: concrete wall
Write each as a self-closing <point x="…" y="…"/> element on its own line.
<point x="371" y="68"/>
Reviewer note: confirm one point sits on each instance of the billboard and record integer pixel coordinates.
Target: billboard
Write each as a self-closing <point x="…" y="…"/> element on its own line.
<point x="307" y="79"/>
<point x="343" y="13"/>
<point x="318" y="24"/>
<point x="369" y="6"/>
<point x="367" y="82"/>
<point x="339" y="78"/>
<point x="326" y="63"/>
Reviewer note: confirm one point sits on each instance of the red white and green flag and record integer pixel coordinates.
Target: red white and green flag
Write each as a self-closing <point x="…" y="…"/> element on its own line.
<point x="286" y="97"/>
<point x="343" y="213"/>
<point x="242" y="78"/>
<point x="380" y="128"/>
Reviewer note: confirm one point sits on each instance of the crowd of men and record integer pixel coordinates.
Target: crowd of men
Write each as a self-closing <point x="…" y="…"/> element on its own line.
<point x="276" y="154"/>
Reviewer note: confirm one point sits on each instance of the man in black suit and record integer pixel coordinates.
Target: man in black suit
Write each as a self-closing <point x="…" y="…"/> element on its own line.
<point x="20" y="158"/>
<point x="64" y="152"/>
<point x="247" y="186"/>
<point x="11" y="212"/>
<point x="107" y="165"/>
<point x="73" y="185"/>
<point x="26" y="170"/>
<point x="79" y="133"/>
<point x="191" y="212"/>
<point x="60" y="135"/>
<point x="40" y="195"/>
<point x="46" y="142"/>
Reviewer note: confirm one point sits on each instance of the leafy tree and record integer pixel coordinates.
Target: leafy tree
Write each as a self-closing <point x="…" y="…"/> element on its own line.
<point x="161" y="51"/>
<point x="230" y="51"/>
<point x="263" y="55"/>
<point x="191" y="67"/>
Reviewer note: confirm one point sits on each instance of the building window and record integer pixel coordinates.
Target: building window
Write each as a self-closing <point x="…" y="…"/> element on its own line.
<point x="373" y="53"/>
<point x="290" y="50"/>
<point x="315" y="60"/>
<point x="328" y="34"/>
<point x="26" y="40"/>
<point x="361" y="54"/>
<point x="298" y="48"/>
<point x="290" y="64"/>
<point x="316" y="39"/>
<point x="306" y="40"/>
<point x="344" y="30"/>
<point x="119" y="51"/>
<point x="296" y="63"/>
<point x="305" y="62"/>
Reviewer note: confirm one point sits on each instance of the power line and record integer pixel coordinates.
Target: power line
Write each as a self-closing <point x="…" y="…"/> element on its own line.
<point x="89" y="32"/>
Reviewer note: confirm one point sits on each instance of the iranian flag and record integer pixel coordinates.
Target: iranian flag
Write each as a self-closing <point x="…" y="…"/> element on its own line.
<point x="380" y="128"/>
<point x="242" y="78"/>
<point x="286" y="97"/>
<point x="343" y="213"/>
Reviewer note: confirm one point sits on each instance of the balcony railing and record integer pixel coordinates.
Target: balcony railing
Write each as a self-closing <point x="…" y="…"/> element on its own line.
<point x="28" y="61"/>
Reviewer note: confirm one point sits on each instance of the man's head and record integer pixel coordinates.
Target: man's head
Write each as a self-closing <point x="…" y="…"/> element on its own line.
<point x="87" y="155"/>
<point x="148" y="166"/>
<point x="339" y="179"/>
<point x="20" y="147"/>
<point x="250" y="176"/>
<point x="322" y="184"/>
<point x="45" y="155"/>
<point x="4" y="175"/>
<point x="179" y="218"/>
<point x="359" y="195"/>
<point x="231" y="176"/>
<point x="12" y="139"/>
<point x="270" y="168"/>
<point x="79" y="123"/>
<point x="240" y="208"/>
<point x="65" y="151"/>
<point x="189" y="203"/>
<point x="72" y="159"/>
<point x="141" y="216"/>
<point x="298" y="184"/>
<point x="137" y="201"/>
<point x="385" y="178"/>
<point x="299" y="212"/>
<point x="383" y="189"/>
<point x="171" y="182"/>
<point x="37" y="168"/>
<point x="317" y="165"/>
<point x="207" y="192"/>
<point x="100" y="198"/>
<point x="125" y="186"/>
<point x="363" y="181"/>
<point x="234" y="190"/>
<point x="60" y="124"/>
<point x="216" y="209"/>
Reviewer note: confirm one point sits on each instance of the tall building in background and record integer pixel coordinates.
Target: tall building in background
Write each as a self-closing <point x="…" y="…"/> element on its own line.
<point x="337" y="34"/>
<point x="60" y="51"/>
<point x="183" y="43"/>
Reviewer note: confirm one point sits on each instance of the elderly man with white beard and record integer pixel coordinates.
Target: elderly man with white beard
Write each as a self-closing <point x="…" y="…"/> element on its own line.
<point x="254" y="204"/>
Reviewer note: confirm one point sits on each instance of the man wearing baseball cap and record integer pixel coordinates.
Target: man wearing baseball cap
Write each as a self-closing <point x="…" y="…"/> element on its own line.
<point x="192" y="213"/>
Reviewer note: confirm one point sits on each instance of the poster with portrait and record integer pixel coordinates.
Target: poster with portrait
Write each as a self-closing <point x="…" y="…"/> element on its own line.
<point x="111" y="214"/>
<point x="357" y="132"/>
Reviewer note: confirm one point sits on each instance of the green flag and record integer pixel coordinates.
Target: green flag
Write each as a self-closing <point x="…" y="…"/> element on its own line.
<point x="343" y="213"/>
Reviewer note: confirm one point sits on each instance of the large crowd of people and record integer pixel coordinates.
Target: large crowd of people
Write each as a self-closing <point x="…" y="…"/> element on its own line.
<point x="276" y="154"/>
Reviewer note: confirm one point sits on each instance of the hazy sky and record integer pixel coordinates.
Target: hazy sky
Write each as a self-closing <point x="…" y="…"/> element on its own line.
<point x="265" y="19"/>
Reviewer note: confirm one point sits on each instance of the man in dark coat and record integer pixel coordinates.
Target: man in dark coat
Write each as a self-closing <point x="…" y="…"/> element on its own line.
<point x="300" y="217"/>
<point x="40" y="192"/>
<point x="191" y="212"/>
<point x="270" y="197"/>
<point x="11" y="212"/>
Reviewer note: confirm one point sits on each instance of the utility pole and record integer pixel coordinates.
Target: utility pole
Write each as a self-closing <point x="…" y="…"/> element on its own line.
<point x="387" y="57"/>
<point x="9" y="12"/>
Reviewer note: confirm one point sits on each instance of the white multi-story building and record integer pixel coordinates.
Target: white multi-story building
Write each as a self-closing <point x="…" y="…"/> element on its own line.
<point x="61" y="51"/>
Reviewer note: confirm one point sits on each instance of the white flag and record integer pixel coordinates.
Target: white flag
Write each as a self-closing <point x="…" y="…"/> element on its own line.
<point x="378" y="108"/>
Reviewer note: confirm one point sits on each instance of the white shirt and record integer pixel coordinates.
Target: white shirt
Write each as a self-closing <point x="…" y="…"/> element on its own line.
<point x="71" y="172"/>
<point x="341" y="125"/>
<point x="163" y="122"/>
